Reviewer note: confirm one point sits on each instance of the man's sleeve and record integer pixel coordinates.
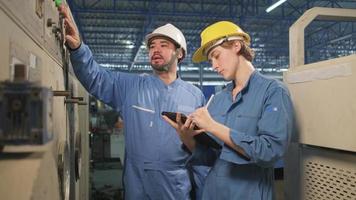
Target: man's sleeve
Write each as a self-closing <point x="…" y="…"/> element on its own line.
<point x="108" y="86"/>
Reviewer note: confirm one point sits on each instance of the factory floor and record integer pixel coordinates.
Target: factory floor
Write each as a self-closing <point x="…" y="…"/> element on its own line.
<point x="279" y="183"/>
<point x="106" y="181"/>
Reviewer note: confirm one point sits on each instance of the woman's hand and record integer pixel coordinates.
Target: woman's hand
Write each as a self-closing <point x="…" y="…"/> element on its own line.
<point x="185" y="131"/>
<point x="202" y="119"/>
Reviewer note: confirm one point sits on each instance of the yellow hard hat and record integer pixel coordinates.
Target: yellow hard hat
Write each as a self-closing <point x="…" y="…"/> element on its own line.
<point x="214" y="32"/>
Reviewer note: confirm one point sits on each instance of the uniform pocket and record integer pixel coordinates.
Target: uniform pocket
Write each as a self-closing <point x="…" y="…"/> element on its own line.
<point x="145" y="115"/>
<point x="218" y="116"/>
<point x="181" y="179"/>
<point x="244" y="123"/>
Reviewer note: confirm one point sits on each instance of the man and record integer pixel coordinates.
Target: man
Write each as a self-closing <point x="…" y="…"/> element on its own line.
<point x="155" y="161"/>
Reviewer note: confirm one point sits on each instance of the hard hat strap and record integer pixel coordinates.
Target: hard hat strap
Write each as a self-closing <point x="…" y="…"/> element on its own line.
<point x="220" y="42"/>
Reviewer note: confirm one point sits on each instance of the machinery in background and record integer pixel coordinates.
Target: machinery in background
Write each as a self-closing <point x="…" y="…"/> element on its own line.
<point x="44" y="142"/>
<point x="104" y="132"/>
<point x="107" y="151"/>
<point x="321" y="162"/>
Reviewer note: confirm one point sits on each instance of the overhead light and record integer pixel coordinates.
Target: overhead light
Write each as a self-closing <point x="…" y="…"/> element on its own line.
<point x="275" y="5"/>
<point x="130" y="46"/>
<point x="341" y="38"/>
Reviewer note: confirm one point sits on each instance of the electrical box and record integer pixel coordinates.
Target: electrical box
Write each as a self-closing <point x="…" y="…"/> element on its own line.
<point x="25" y="113"/>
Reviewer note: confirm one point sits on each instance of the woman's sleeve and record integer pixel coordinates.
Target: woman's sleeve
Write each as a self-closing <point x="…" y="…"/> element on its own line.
<point x="274" y="130"/>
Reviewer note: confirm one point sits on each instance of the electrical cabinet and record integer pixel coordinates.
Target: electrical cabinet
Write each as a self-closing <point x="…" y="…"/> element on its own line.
<point x="44" y="142"/>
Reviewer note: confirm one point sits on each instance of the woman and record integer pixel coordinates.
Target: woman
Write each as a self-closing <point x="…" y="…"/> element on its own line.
<point x="252" y="118"/>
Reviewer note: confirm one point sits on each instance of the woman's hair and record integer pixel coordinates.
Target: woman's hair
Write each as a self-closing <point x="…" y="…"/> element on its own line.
<point x="245" y="50"/>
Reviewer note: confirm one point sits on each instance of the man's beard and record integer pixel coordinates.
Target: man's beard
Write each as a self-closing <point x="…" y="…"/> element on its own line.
<point x="165" y="67"/>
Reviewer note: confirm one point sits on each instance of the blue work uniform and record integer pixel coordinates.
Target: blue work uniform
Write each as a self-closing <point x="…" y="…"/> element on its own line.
<point x="260" y="121"/>
<point x="155" y="160"/>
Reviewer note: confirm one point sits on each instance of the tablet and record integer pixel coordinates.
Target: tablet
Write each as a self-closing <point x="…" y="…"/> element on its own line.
<point x="202" y="138"/>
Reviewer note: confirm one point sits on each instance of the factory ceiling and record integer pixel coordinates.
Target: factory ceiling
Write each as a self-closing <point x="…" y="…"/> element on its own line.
<point x="115" y="31"/>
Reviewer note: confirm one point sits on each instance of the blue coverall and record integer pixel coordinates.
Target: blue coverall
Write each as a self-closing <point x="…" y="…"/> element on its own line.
<point x="155" y="162"/>
<point x="260" y="122"/>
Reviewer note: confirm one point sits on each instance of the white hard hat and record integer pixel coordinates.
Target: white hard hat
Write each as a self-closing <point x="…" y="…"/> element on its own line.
<point x="171" y="32"/>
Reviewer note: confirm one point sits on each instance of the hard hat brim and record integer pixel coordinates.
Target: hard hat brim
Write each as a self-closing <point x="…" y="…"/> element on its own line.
<point x="199" y="54"/>
<point x="150" y="36"/>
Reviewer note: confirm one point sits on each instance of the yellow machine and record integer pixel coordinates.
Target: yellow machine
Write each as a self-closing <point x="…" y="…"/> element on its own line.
<point x="44" y="145"/>
<point x="321" y="162"/>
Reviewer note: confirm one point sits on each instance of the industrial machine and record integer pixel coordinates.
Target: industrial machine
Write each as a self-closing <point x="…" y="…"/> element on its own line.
<point x="321" y="161"/>
<point x="44" y="144"/>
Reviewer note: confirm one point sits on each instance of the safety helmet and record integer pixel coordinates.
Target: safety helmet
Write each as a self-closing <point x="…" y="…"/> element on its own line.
<point x="216" y="34"/>
<point x="172" y="33"/>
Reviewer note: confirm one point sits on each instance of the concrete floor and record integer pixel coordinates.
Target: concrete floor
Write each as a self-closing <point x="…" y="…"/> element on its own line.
<point x="106" y="181"/>
<point x="279" y="186"/>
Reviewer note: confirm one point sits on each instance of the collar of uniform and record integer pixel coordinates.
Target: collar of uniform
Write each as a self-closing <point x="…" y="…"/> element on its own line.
<point x="252" y="77"/>
<point x="231" y="85"/>
<point x="174" y="84"/>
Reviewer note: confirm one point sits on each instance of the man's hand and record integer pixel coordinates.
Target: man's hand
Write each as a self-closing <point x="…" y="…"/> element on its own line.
<point x="72" y="35"/>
